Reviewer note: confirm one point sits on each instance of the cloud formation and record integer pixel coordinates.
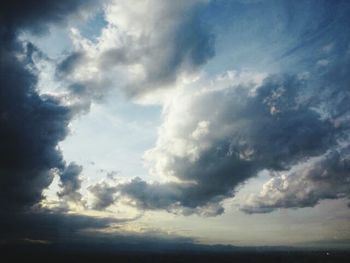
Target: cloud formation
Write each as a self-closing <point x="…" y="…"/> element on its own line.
<point x="215" y="138"/>
<point x="218" y="147"/>
<point x="207" y="151"/>
<point x="143" y="53"/>
<point x="31" y="126"/>
<point x="103" y="194"/>
<point x="35" y="15"/>
<point x="71" y="183"/>
<point x="325" y="177"/>
<point x="215" y="135"/>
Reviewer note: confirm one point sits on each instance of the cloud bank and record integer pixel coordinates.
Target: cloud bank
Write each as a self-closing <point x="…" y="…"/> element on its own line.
<point x="216" y="136"/>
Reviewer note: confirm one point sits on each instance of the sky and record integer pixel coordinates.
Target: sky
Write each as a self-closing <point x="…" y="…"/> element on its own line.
<point x="175" y="122"/>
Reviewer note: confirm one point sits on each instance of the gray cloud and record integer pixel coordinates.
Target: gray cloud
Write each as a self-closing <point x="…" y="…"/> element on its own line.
<point x="64" y="233"/>
<point x="189" y="44"/>
<point x="212" y="150"/>
<point x="68" y="64"/>
<point x="52" y="226"/>
<point x="71" y="183"/>
<point x="35" y="15"/>
<point x="173" y="197"/>
<point x="150" y="55"/>
<point x="213" y="140"/>
<point x="325" y="177"/>
<point x="82" y="94"/>
<point x="104" y="195"/>
<point x="31" y="126"/>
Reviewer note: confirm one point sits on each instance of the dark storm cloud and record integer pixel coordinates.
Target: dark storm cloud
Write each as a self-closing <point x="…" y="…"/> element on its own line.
<point x="51" y="226"/>
<point x="64" y="233"/>
<point x="35" y="15"/>
<point x="31" y="126"/>
<point x="56" y="231"/>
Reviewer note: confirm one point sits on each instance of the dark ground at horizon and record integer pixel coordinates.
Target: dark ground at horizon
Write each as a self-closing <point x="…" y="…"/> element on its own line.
<point x="187" y="256"/>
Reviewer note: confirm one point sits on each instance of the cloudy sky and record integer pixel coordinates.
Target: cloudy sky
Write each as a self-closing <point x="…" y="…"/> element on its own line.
<point x="192" y="122"/>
